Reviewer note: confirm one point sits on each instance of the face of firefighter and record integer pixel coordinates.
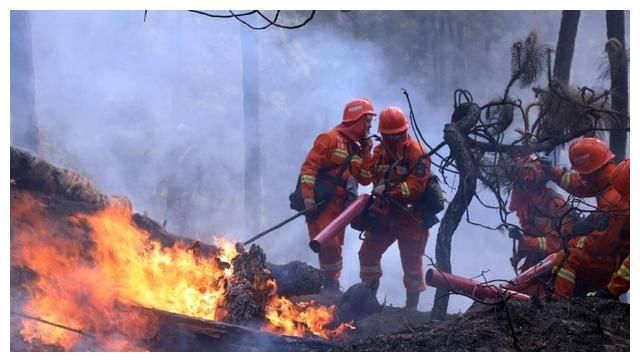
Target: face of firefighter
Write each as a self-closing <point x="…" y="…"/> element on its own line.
<point x="600" y="178"/>
<point x="368" y="120"/>
<point x="394" y="139"/>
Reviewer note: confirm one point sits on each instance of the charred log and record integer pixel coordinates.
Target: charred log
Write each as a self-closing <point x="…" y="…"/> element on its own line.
<point x="249" y="290"/>
<point x="296" y="278"/>
<point x="32" y="173"/>
<point x="181" y="333"/>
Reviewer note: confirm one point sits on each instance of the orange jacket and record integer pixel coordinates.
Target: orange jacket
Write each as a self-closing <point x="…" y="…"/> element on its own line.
<point x="539" y="211"/>
<point x="330" y="149"/>
<point x="410" y="189"/>
<point x="609" y="201"/>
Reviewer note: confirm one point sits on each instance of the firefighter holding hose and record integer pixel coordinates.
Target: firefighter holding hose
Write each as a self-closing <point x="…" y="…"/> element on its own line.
<point x="399" y="170"/>
<point x="329" y="177"/>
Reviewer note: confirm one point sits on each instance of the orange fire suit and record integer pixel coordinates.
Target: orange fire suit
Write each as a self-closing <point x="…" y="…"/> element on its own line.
<point x="330" y="149"/>
<point x="403" y="225"/>
<point x="620" y="281"/>
<point x="539" y="210"/>
<point x="594" y="258"/>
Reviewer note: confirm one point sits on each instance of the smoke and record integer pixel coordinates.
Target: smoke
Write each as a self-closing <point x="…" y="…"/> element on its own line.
<point x="154" y="111"/>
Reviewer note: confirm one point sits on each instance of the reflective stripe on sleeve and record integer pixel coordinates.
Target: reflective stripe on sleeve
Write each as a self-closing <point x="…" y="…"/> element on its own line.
<point x="405" y="189"/>
<point x="340" y="153"/>
<point x="542" y="243"/>
<point x="365" y="173"/>
<point x="624" y="272"/>
<point x="567" y="275"/>
<point x="308" y="179"/>
<point x="566" y="180"/>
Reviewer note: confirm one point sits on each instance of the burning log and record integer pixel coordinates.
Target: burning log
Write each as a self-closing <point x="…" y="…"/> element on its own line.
<point x="75" y="259"/>
<point x="181" y="333"/>
<point x="250" y="287"/>
<point x="31" y="173"/>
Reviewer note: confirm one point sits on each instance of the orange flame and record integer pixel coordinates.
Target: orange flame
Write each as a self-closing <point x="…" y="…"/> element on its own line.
<point x="86" y="275"/>
<point x="298" y="319"/>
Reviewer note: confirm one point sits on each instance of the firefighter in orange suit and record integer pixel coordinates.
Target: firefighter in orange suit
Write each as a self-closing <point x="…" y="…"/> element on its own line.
<point x="595" y="257"/>
<point x="399" y="174"/>
<point x="620" y="280"/>
<point x="540" y="211"/>
<point x="340" y="150"/>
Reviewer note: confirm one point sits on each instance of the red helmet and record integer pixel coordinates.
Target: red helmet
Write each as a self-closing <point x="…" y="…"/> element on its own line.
<point x="588" y="155"/>
<point x="356" y="109"/>
<point x="620" y="177"/>
<point x="392" y="120"/>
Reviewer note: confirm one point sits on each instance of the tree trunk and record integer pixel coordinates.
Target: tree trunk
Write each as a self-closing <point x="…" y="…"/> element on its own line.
<point x="252" y="176"/>
<point x="455" y="135"/>
<point x="566" y="45"/>
<point x="24" y="123"/>
<point x="616" y="50"/>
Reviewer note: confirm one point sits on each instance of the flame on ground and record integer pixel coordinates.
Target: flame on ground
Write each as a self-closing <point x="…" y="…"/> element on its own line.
<point x="87" y="277"/>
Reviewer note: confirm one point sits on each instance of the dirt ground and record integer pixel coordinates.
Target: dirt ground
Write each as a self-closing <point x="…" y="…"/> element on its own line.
<point x="585" y="324"/>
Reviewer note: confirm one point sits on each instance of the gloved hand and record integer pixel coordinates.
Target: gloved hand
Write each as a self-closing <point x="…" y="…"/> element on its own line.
<point x="379" y="190"/>
<point x="590" y="224"/>
<point x="366" y="145"/>
<point x="515" y="233"/>
<point x="601" y="221"/>
<point x="310" y="206"/>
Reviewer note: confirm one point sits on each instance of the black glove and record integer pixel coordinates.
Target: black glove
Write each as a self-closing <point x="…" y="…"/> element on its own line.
<point x="515" y="233"/>
<point x="590" y="224"/>
<point x="601" y="221"/>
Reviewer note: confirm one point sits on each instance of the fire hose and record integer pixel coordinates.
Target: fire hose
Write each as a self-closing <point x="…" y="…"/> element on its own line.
<point x="472" y="288"/>
<point x="281" y="224"/>
<point x="26" y="316"/>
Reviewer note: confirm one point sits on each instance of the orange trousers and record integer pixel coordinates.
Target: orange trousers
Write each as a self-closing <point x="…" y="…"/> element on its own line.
<point x="619" y="283"/>
<point x="330" y="256"/>
<point x="411" y="252"/>
<point x="582" y="272"/>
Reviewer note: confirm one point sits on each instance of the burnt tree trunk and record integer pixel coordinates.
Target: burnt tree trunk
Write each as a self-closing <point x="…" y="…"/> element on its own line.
<point x="24" y="124"/>
<point x="455" y="135"/>
<point x="251" y="103"/>
<point x="566" y="45"/>
<point x="616" y="50"/>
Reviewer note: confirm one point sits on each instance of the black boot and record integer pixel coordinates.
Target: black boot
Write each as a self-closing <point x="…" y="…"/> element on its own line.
<point x="331" y="286"/>
<point x="374" y="286"/>
<point x="412" y="300"/>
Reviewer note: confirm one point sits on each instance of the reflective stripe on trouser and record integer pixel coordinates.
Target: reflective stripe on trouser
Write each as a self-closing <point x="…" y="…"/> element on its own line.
<point x="411" y="252"/>
<point x="621" y="279"/>
<point x="581" y="273"/>
<point x="330" y="256"/>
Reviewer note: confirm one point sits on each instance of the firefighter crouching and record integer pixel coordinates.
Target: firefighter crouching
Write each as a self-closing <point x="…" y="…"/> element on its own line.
<point x="597" y="249"/>
<point x="332" y="167"/>
<point x="541" y="211"/>
<point x="621" y="279"/>
<point x="399" y="170"/>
